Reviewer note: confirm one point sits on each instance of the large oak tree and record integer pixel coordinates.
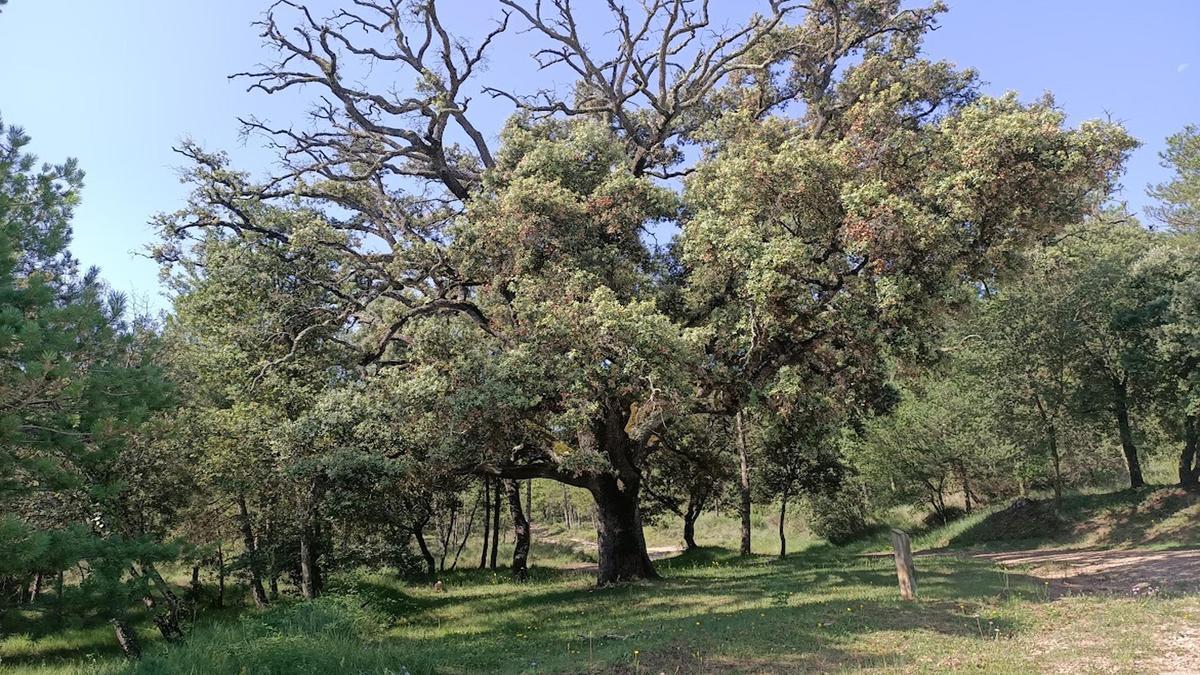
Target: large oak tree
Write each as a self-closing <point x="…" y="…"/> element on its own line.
<point x="836" y="188"/>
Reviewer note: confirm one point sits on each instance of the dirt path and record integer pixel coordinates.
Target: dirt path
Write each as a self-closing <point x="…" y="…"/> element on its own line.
<point x="1107" y="572"/>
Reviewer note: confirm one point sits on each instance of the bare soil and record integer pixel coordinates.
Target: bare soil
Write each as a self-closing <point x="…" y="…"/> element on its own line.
<point x="1107" y="572"/>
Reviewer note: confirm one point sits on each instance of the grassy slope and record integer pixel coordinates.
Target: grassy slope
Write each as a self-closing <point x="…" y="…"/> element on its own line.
<point x="1155" y="518"/>
<point x="823" y="609"/>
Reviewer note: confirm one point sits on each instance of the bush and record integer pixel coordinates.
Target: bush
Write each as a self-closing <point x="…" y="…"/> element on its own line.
<point x="334" y="633"/>
<point x="947" y="516"/>
<point x="839" y="516"/>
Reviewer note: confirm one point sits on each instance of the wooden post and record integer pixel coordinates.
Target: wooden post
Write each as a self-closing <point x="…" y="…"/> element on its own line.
<point x="904" y="565"/>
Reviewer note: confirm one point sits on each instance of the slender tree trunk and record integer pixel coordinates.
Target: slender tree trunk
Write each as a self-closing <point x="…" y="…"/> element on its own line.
<point x="174" y="606"/>
<point x="744" y="483"/>
<point x="782" y="517"/>
<point x="58" y="597"/>
<point x="566" y="507"/>
<point x="167" y="620"/>
<point x="1052" y="439"/>
<point x="194" y="587"/>
<point x="690" y="516"/>
<point x="968" y="496"/>
<point x="1189" y="472"/>
<point x="220" y="602"/>
<point x="622" y="544"/>
<point x="529" y="501"/>
<point x="487" y="525"/>
<point x="127" y="639"/>
<point x="1121" y="407"/>
<point x="495" y="525"/>
<point x="418" y="531"/>
<point x="520" y="562"/>
<point x="309" y="572"/>
<point x="251" y="546"/>
<point x="37" y="588"/>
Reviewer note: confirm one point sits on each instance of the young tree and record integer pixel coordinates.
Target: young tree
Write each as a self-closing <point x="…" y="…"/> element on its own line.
<point x="691" y="473"/>
<point x="799" y="457"/>
<point x="1172" y="293"/>
<point x="76" y="385"/>
<point x="1179" y="198"/>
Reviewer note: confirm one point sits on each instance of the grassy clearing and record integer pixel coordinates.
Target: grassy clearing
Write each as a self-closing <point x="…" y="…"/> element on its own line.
<point x="712" y="612"/>
<point x="824" y="609"/>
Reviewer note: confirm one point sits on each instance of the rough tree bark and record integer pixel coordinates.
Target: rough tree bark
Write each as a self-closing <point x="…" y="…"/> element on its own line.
<point x="127" y="639"/>
<point x="520" y="562"/>
<point x="1121" y="408"/>
<point x="622" y="544"/>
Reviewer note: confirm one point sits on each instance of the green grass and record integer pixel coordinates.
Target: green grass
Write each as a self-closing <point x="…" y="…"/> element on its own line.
<point x="711" y="612"/>
<point x="824" y="609"/>
<point x="1149" y="518"/>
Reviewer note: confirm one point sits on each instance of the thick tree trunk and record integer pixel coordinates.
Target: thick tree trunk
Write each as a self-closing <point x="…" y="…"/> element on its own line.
<point x="127" y="639"/>
<point x="520" y="562"/>
<point x="495" y="524"/>
<point x="1121" y="408"/>
<point x="744" y="482"/>
<point x="1189" y="472"/>
<point x="622" y="544"/>
<point x="487" y="524"/>
<point x="254" y="566"/>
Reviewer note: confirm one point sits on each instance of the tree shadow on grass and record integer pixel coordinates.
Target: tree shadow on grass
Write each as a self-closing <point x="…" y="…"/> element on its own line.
<point x="1111" y="519"/>
<point x="712" y="606"/>
<point x="711" y="610"/>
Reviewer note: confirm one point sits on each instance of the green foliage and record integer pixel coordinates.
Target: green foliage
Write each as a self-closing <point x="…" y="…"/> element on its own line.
<point x="840" y="515"/>
<point x="337" y="633"/>
<point x="1179" y="198"/>
<point x="77" y="384"/>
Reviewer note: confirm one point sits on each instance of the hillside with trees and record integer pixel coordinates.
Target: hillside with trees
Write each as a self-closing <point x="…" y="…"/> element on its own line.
<point x="768" y="287"/>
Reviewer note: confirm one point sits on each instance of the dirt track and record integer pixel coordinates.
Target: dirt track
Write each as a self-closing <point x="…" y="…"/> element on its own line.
<point x="1107" y="572"/>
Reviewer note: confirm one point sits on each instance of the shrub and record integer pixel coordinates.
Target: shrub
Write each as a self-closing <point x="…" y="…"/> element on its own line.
<point x="334" y="633"/>
<point x="948" y="515"/>
<point x="840" y="516"/>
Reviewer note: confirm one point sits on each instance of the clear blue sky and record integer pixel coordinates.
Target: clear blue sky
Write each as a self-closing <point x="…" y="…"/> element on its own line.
<point x="117" y="83"/>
